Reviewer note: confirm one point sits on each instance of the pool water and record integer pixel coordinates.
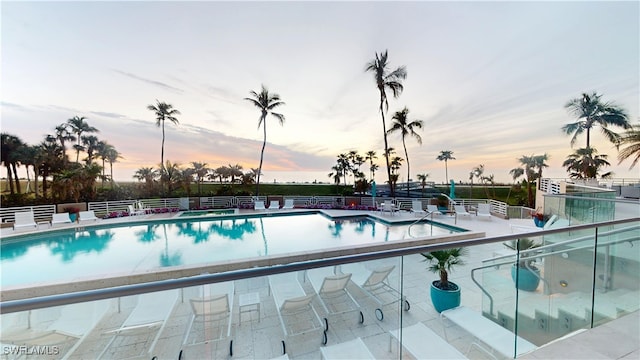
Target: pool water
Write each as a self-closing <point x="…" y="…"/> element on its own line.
<point x="208" y="212"/>
<point x="67" y="255"/>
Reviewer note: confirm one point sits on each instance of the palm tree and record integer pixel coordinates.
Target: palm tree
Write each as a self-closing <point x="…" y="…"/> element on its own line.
<point x="391" y="80"/>
<point x="528" y="170"/>
<point x="63" y="135"/>
<point x="590" y="112"/>
<point x="423" y="181"/>
<point x="163" y="112"/>
<point x="266" y="103"/>
<point x="370" y="156"/>
<point x="112" y="156"/>
<point x="148" y="175"/>
<point x="631" y="138"/>
<point x="201" y="170"/>
<point x="585" y="163"/>
<point x="446" y="155"/>
<point x="10" y="147"/>
<point x="400" y="123"/>
<point x="78" y="126"/>
<point x="91" y="146"/>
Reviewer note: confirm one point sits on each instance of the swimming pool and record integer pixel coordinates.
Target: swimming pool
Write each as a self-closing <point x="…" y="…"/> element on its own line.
<point x="66" y="255"/>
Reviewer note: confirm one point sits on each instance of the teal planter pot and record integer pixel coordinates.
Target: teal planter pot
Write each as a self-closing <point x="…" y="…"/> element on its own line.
<point x="73" y="217"/>
<point x="445" y="299"/>
<point x="527" y="280"/>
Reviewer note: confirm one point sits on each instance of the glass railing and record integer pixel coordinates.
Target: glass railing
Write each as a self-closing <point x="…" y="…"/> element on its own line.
<point x="371" y="305"/>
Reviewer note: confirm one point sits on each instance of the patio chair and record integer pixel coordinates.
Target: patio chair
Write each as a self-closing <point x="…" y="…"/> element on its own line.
<point x="213" y="309"/>
<point x="332" y="292"/>
<point x="423" y="343"/>
<point x="148" y="318"/>
<point x="134" y="212"/>
<point x="295" y="310"/>
<point x="389" y="207"/>
<point x="353" y="349"/>
<point x="376" y="284"/>
<point x="259" y="205"/>
<point x="24" y="219"/>
<point x="74" y="324"/>
<point x="484" y="211"/>
<point x="433" y="209"/>
<point x="416" y="207"/>
<point x="274" y="205"/>
<point x="460" y="210"/>
<point x="87" y="216"/>
<point x="288" y="204"/>
<point x="60" y="218"/>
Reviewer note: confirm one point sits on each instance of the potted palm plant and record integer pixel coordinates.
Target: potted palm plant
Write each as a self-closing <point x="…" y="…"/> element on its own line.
<point x="524" y="272"/>
<point x="445" y="294"/>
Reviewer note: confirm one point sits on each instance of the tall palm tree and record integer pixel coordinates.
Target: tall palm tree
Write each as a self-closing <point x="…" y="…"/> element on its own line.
<point x="91" y="145"/>
<point x="10" y="147"/>
<point x="370" y="156"/>
<point x="112" y="156"/>
<point x="266" y="103"/>
<point x="400" y="123"/>
<point x="585" y="163"/>
<point x="79" y="126"/>
<point x="445" y="155"/>
<point x="391" y="80"/>
<point x="631" y="138"/>
<point x="591" y="111"/>
<point x="63" y="135"/>
<point x="163" y="112"/>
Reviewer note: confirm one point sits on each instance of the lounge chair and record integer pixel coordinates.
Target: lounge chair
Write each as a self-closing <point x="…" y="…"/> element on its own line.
<point x="288" y="204"/>
<point x="60" y="218"/>
<point x="433" y="209"/>
<point x="416" y="207"/>
<point x="149" y="318"/>
<point x="134" y="212"/>
<point x="376" y="284"/>
<point x="333" y="293"/>
<point x="75" y="323"/>
<point x="353" y="349"/>
<point x="422" y="343"/>
<point x="87" y="216"/>
<point x="389" y="207"/>
<point x="274" y="205"/>
<point x="213" y="309"/>
<point x="460" y="210"/>
<point x="24" y="219"/>
<point x="259" y="205"/>
<point x="484" y="211"/>
<point x="293" y="305"/>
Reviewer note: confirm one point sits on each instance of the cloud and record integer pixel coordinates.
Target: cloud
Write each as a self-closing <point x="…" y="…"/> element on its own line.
<point x="148" y="81"/>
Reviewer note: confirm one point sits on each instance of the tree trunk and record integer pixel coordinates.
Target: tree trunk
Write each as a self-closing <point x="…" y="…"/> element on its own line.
<point x="386" y="145"/>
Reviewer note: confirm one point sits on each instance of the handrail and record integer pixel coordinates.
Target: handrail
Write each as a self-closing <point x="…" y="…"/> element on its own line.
<point x="545" y="254"/>
<point x="126" y="290"/>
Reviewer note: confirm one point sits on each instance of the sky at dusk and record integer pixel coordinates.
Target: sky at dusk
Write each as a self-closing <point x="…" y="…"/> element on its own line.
<point x="488" y="79"/>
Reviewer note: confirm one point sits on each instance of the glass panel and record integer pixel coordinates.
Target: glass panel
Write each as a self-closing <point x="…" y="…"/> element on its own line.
<point x="617" y="273"/>
<point x="57" y="332"/>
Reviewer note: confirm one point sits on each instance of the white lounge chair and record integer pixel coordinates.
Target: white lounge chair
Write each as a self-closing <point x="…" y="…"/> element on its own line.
<point x="288" y="204"/>
<point x="389" y="207"/>
<point x="259" y="205"/>
<point x="416" y="207"/>
<point x="274" y="205"/>
<point x="375" y="283"/>
<point x="434" y="210"/>
<point x="293" y="304"/>
<point x="353" y="349"/>
<point x="213" y="309"/>
<point x="24" y="219"/>
<point x="486" y="331"/>
<point x="460" y="210"/>
<point x="484" y="211"/>
<point x="149" y="318"/>
<point x="60" y="218"/>
<point x="134" y="212"/>
<point x="87" y="216"/>
<point x="74" y="324"/>
<point x="332" y="292"/>
<point x="423" y="343"/>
